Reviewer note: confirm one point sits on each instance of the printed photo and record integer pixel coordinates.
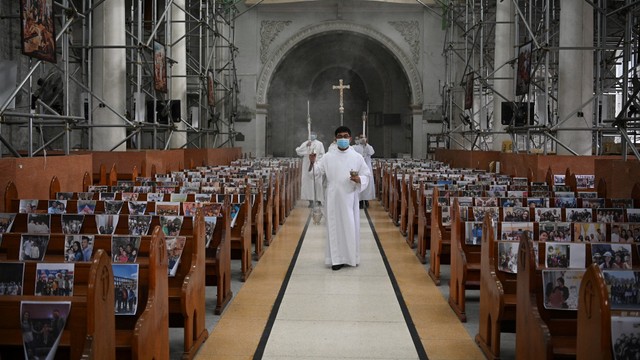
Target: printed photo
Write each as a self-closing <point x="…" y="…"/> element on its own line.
<point x="85" y="195"/>
<point x="86" y="207"/>
<point x="625" y="232"/>
<point x="171" y="225"/>
<point x="473" y="233"/>
<point x="6" y="222"/>
<point x="113" y="207"/>
<point x="175" y="245"/>
<point x="513" y="231"/>
<point x="622" y="287"/>
<point x="479" y="213"/>
<point x="579" y="215"/>
<point x="42" y="324"/>
<point x="11" y="278"/>
<point x="139" y="224"/>
<point x="130" y="196"/>
<point x="106" y="224"/>
<point x="177" y="197"/>
<point x="554" y="231"/>
<point x="212" y="209"/>
<point x="508" y="256"/>
<point x="155" y="197"/>
<point x="612" y="256"/>
<point x="72" y="223"/>
<point x="537" y="202"/>
<point x="558" y="179"/>
<point x="54" y="279"/>
<point x="548" y="214"/>
<point x="589" y="232"/>
<point x="633" y="215"/>
<point x="201" y="198"/>
<point x="164" y="208"/>
<point x="33" y="247"/>
<point x="565" y="202"/>
<point x="57" y="207"/>
<point x="585" y="181"/>
<point x="38" y="223"/>
<point x="622" y="203"/>
<point x="210" y="226"/>
<point x="98" y="188"/>
<point x="561" y="288"/>
<point x="593" y="203"/>
<point x="625" y="336"/>
<point x="125" y="279"/>
<point x="610" y="215"/>
<point x="79" y="247"/>
<point x="28" y="206"/>
<point x="565" y="255"/>
<point x="137" y="207"/>
<point x="511" y="202"/>
<point x="106" y="196"/>
<point x="159" y="67"/>
<point x="515" y="214"/>
<point x="64" y="195"/>
<point x="587" y="195"/>
<point x="124" y="248"/>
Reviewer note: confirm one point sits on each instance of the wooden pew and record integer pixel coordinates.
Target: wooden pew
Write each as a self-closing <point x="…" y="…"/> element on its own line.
<point x="90" y="327"/>
<point x="412" y="213"/>
<point x="465" y="264"/>
<point x="424" y="226"/>
<point x="405" y="186"/>
<point x="187" y="290"/>
<point x="498" y="298"/>
<point x="257" y="222"/>
<point x="268" y="212"/>
<point x="241" y="236"/>
<point x="540" y="333"/>
<point x="395" y="200"/>
<point x="218" y="261"/>
<point x="440" y="240"/>
<point x="594" y="317"/>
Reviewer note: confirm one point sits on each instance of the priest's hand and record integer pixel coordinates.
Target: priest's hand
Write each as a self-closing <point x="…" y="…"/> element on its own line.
<point x="355" y="179"/>
<point x="312" y="160"/>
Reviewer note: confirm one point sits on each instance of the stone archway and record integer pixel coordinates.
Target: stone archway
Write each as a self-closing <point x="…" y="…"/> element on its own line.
<point x="410" y="70"/>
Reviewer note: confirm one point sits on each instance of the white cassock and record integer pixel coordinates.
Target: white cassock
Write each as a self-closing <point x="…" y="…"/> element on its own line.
<point x="366" y="151"/>
<point x="307" y="176"/>
<point x="341" y="206"/>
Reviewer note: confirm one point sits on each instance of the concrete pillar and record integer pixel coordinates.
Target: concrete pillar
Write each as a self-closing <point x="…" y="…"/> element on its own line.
<point x="178" y="82"/>
<point x="504" y="77"/>
<point x="109" y="74"/>
<point x="261" y="130"/>
<point x="419" y="141"/>
<point x="575" y="76"/>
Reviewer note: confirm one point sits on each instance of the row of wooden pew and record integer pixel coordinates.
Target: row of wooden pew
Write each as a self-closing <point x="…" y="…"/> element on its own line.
<point x="163" y="301"/>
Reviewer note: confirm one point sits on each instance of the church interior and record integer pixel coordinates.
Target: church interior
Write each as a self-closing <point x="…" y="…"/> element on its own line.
<point x="502" y="221"/>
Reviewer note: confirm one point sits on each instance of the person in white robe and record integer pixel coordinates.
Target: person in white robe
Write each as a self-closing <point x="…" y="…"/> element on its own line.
<point x="313" y="145"/>
<point x="346" y="175"/>
<point x="363" y="148"/>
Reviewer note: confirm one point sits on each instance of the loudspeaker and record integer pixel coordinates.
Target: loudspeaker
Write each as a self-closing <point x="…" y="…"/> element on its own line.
<point x="163" y="111"/>
<point x="517" y="112"/>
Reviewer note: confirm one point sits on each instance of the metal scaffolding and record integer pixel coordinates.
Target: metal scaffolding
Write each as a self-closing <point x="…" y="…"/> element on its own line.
<point x="470" y="47"/>
<point x="54" y="102"/>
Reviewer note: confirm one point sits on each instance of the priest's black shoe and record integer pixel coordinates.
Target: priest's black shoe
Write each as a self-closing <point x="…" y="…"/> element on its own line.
<point x="361" y="204"/>
<point x="337" y="267"/>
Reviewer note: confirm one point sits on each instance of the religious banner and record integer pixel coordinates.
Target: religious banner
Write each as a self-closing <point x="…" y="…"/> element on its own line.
<point x="211" y="96"/>
<point x="523" y="75"/>
<point x="159" y="67"/>
<point x="38" y="29"/>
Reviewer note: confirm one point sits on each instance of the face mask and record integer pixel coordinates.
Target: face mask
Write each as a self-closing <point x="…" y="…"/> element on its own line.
<point x="312" y="137"/>
<point x="343" y="143"/>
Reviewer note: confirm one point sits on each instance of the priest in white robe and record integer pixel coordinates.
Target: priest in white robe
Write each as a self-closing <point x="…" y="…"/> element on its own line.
<point x="313" y="145"/>
<point x="346" y="175"/>
<point x="363" y="148"/>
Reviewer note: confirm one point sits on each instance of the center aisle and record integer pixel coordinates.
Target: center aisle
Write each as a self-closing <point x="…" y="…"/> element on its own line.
<point x="350" y="313"/>
<point x="300" y="310"/>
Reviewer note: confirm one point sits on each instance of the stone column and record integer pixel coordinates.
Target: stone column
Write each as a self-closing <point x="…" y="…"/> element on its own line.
<point x="109" y="74"/>
<point x="261" y="129"/>
<point x="575" y="76"/>
<point x="504" y="77"/>
<point x="178" y="84"/>
<point x="419" y="141"/>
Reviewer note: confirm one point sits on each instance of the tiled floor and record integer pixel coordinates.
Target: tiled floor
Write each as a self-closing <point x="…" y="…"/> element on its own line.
<point x="352" y="313"/>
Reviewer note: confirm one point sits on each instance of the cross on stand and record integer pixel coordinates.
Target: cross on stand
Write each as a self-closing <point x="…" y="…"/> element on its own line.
<point x="341" y="88"/>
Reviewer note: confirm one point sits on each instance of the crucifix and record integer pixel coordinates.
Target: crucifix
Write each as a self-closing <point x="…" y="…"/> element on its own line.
<point x="341" y="88"/>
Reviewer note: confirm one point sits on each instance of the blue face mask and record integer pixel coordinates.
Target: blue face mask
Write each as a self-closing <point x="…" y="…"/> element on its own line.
<point x="343" y="143"/>
<point x="312" y="137"/>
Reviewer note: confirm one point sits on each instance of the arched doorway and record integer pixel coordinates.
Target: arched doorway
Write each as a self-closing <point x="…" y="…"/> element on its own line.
<point x="307" y="71"/>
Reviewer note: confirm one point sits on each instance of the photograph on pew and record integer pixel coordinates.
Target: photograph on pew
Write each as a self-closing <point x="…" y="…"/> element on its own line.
<point x="125" y="281"/>
<point x="72" y="223"/>
<point x="512" y="231"/>
<point x="33" y="247"/>
<point x="612" y="256"/>
<point x="86" y="207"/>
<point x="515" y="214"/>
<point x="585" y="181"/>
<point x="624" y="288"/>
<point x="560" y="288"/>
<point x="155" y="196"/>
<point x="38" y="223"/>
<point x="143" y="189"/>
<point x="28" y="206"/>
<point x="584" y="195"/>
<point x="165" y="189"/>
<point x="54" y="279"/>
<point x="210" y="226"/>
<point x="57" y="207"/>
<point x="176" y="197"/>
<point x="486" y="201"/>
<point x="589" y="232"/>
<point x="235" y="210"/>
<point x="558" y="179"/>
<point x="171" y="225"/>
<point x="78" y="247"/>
<point x="124" y="248"/>
<point x="554" y="231"/>
<point x="478" y="212"/>
<point x="513" y="201"/>
<point x="137" y="207"/>
<point x="548" y="214"/>
<point x="6" y="223"/>
<point x="565" y="255"/>
<point x="87" y="195"/>
<point x="609" y="215"/>
<point x="537" y="202"/>
<point x="129" y="196"/>
<point x="593" y="203"/>
<point x="625" y="232"/>
<point x="106" y="224"/>
<point x="202" y="198"/>
<point x="579" y="215"/>
<point x="113" y="207"/>
<point x="98" y="188"/>
<point x="633" y="215"/>
<point x="473" y="232"/>
<point x="565" y="202"/>
<point x="625" y="337"/>
<point x="167" y="208"/>
<point x="175" y="245"/>
<point x="189" y="208"/>
<point x="11" y="278"/>
<point x="42" y="325"/>
<point x="139" y="224"/>
<point x="508" y="256"/>
<point x="106" y="196"/>
<point x="212" y="209"/>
